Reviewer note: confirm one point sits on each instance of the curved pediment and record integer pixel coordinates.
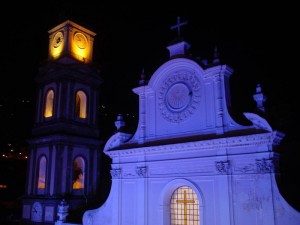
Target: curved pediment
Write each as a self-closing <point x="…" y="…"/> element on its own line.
<point x="172" y="67"/>
<point x="183" y="99"/>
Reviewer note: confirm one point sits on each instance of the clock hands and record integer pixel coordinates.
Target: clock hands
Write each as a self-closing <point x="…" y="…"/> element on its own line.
<point x="57" y="40"/>
<point x="80" y="40"/>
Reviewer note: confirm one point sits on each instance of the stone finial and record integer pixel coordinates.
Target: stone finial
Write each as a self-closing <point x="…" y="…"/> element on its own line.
<point x="216" y="58"/>
<point x="260" y="98"/>
<point x="142" y="81"/>
<point x="119" y="123"/>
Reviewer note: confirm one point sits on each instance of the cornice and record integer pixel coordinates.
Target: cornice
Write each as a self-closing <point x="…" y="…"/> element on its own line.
<point x="219" y="144"/>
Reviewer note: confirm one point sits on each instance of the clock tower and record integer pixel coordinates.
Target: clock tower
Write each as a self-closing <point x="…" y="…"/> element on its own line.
<point x="65" y="148"/>
<point x="69" y="39"/>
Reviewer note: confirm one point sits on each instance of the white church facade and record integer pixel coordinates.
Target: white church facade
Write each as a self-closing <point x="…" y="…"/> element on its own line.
<point x="189" y="161"/>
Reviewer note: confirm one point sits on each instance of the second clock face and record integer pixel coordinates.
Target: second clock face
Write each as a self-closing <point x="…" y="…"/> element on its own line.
<point x="80" y="40"/>
<point x="58" y="39"/>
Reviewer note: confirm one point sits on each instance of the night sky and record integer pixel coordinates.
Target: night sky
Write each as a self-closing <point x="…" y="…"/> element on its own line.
<point x="256" y="41"/>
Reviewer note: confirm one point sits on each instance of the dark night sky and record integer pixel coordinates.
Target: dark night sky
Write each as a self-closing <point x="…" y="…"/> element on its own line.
<point x="255" y="40"/>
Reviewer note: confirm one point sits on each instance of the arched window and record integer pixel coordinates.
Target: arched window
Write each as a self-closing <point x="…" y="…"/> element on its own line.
<point x="42" y="173"/>
<point x="49" y="104"/>
<point x="78" y="173"/>
<point x="185" y="207"/>
<point x="80" y="104"/>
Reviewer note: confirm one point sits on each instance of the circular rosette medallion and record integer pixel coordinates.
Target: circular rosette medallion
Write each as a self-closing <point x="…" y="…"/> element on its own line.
<point x="179" y="96"/>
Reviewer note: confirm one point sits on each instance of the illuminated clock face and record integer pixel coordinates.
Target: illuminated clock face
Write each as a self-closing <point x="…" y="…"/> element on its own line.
<point x="80" y="40"/>
<point x="58" y="39"/>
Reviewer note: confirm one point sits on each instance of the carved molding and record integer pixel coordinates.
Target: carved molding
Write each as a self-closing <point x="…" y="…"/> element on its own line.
<point x="248" y="168"/>
<point x="141" y="171"/>
<point x="223" y="167"/>
<point x="266" y="165"/>
<point x="116" y="140"/>
<point x="257" y="121"/>
<point x="246" y="141"/>
<point x="115" y="173"/>
<point x="179" y="96"/>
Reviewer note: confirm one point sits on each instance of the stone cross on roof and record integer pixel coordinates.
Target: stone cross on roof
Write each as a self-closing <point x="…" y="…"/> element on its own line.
<point x="178" y="25"/>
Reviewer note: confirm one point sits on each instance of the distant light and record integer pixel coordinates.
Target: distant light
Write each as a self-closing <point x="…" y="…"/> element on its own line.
<point x="11" y="150"/>
<point x="20" y="153"/>
<point x="3" y="186"/>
